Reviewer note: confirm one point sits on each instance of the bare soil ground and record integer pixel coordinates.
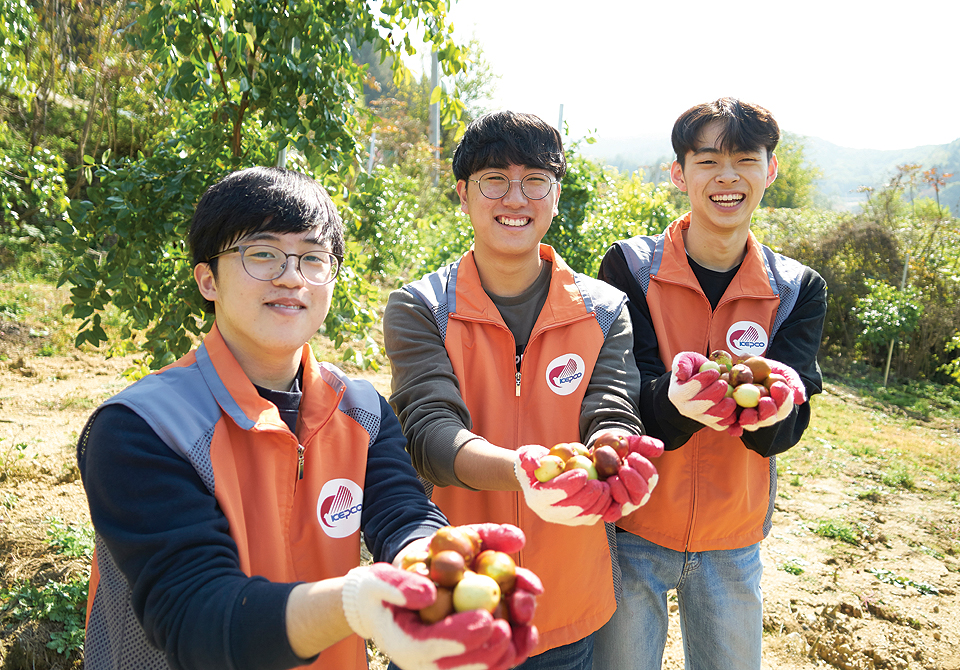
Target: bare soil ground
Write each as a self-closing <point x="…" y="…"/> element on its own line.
<point x="881" y="592"/>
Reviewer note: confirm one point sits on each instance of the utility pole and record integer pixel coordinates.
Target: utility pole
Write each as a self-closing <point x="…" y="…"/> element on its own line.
<point x="294" y="46"/>
<point x="435" y="117"/>
<point x="903" y="284"/>
<point x="560" y="120"/>
<point x="373" y="148"/>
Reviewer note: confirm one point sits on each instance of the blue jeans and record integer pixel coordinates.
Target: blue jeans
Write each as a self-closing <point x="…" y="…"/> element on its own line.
<point x="574" y="656"/>
<point x="721" y="608"/>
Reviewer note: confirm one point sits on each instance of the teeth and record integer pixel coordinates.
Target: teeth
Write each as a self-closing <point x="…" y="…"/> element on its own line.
<point x="514" y="223"/>
<point x="727" y="199"/>
<point x="274" y="304"/>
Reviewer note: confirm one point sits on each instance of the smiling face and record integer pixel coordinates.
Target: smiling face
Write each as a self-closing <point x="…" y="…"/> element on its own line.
<point x="725" y="187"/>
<point x="508" y="229"/>
<point x="266" y="323"/>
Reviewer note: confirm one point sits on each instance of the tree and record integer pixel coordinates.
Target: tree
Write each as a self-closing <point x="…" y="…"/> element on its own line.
<point x="796" y="178"/>
<point x="17" y="24"/>
<point x="245" y="83"/>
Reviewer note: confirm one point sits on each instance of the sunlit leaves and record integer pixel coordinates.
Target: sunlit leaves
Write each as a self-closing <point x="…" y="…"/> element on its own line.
<point x="244" y="81"/>
<point x="886" y="312"/>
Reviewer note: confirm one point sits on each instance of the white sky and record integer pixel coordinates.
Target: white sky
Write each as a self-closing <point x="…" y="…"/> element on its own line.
<point x="879" y="75"/>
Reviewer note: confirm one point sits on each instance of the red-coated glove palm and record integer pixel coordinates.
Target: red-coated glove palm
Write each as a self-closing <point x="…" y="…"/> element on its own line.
<point x="570" y="499"/>
<point x="778" y="405"/>
<point x="522" y="600"/>
<point x="380" y="603"/>
<point x="631" y="487"/>
<point x="701" y="396"/>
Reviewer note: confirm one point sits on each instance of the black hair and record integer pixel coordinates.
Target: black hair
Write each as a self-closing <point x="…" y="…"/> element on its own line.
<point x="501" y="139"/>
<point x="257" y="200"/>
<point x="744" y="127"/>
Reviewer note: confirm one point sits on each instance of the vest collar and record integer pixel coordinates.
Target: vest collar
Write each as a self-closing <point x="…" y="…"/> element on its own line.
<point x="755" y="277"/>
<point x="564" y="301"/>
<point x="238" y="397"/>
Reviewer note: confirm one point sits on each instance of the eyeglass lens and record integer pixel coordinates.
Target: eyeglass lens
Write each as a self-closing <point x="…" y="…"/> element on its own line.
<point x="267" y="263"/>
<point x="533" y="186"/>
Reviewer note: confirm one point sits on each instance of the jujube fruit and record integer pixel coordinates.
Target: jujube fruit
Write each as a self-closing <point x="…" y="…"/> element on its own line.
<point x="447" y="567"/>
<point x="759" y="367"/>
<point x="741" y="374"/>
<point x="606" y="461"/>
<point x="475" y="592"/>
<point x="468" y="578"/>
<point x="440" y="608"/>
<point x="499" y="566"/>
<point x="452" y="538"/>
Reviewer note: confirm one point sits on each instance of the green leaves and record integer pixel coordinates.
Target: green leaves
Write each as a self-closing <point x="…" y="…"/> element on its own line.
<point x="886" y="312"/>
<point x="244" y="81"/>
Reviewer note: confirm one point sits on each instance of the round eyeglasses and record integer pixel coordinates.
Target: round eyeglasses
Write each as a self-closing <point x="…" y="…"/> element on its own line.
<point x="266" y="263"/>
<point x="495" y="185"/>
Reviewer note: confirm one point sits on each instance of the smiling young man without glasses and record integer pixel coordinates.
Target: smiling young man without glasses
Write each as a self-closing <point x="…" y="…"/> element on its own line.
<point x="702" y="285"/>
<point x="229" y="490"/>
<point x="508" y="347"/>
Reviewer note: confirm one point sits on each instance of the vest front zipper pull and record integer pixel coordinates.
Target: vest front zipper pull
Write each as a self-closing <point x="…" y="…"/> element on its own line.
<point x="518" y="383"/>
<point x="299" y="462"/>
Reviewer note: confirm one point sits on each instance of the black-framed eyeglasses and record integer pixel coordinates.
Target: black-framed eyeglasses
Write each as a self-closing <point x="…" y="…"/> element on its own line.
<point x="266" y="263"/>
<point x="495" y="185"/>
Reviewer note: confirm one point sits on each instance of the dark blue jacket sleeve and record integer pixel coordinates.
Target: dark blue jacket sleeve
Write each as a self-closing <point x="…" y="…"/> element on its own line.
<point x="396" y="510"/>
<point x="796" y="344"/>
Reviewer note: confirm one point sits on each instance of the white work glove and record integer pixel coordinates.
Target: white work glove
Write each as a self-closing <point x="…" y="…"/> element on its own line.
<point x="700" y="396"/>
<point x="631" y="487"/>
<point x="778" y="405"/>
<point x="572" y="499"/>
<point x="381" y="602"/>
<point x="569" y="499"/>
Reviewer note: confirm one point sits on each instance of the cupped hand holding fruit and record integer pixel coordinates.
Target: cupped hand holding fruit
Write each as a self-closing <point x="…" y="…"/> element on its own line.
<point x="698" y="393"/>
<point x="472" y="571"/>
<point x="381" y="603"/>
<point x="764" y="390"/>
<point x="571" y="496"/>
<point x="573" y="485"/>
<point x="780" y="389"/>
<point x="633" y="477"/>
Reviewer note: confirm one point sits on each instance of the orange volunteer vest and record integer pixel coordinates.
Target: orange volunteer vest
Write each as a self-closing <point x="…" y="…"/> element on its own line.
<point x="713" y="493"/>
<point x="539" y="405"/>
<point x="286" y="529"/>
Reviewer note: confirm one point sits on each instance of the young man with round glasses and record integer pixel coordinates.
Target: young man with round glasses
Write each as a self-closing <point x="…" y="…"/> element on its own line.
<point x="229" y="490"/>
<point x="509" y="347"/>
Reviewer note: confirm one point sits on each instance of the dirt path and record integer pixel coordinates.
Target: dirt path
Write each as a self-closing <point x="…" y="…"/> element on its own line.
<point x="881" y="594"/>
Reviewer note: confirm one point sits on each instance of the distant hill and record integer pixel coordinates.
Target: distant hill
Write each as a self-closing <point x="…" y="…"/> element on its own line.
<point x="844" y="169"/>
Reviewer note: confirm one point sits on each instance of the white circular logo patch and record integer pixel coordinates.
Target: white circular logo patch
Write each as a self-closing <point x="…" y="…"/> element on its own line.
<point x="564" y="374"/>
<point x="747" y="338"/>
<point x="339" y="507"/>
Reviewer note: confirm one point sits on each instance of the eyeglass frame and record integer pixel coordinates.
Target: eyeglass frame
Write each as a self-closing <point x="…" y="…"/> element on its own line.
<point x="241" y="248"/>
<point x="553" y="182"/>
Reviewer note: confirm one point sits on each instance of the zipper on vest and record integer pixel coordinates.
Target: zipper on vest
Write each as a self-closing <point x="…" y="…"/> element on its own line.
<point x="518" y="383"/>
<point x="300" y="450"/>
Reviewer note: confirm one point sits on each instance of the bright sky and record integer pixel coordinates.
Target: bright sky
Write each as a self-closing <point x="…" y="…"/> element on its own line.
<point x="878" y="75"/>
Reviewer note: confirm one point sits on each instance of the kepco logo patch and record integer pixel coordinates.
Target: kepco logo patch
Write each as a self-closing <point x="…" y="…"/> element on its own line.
<point x="339" y="507"/>
<point x="747" y="338"/>
<point x="564" y="374"/>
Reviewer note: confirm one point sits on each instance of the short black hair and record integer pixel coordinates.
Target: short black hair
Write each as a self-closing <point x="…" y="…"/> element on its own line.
<point x="256" y="200"/>
<point x="744" y="127"/>
<point x="501" y="139"/>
